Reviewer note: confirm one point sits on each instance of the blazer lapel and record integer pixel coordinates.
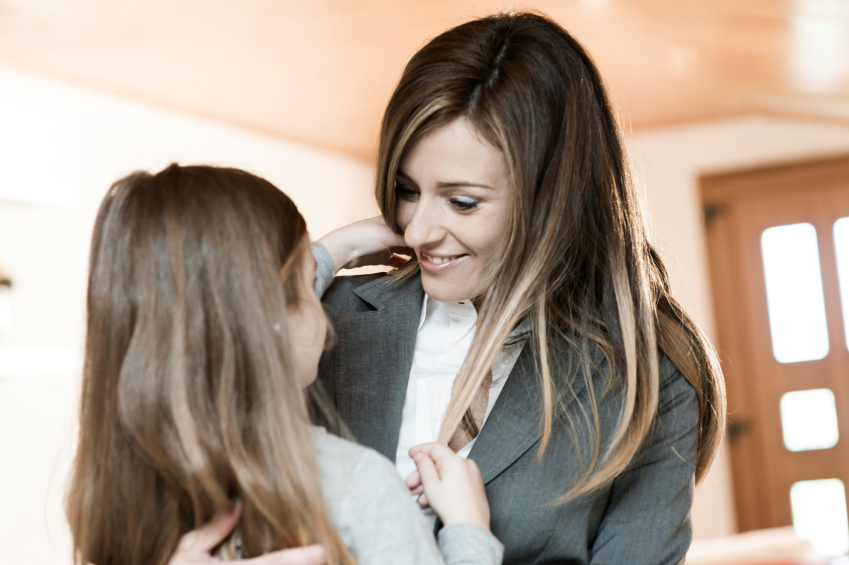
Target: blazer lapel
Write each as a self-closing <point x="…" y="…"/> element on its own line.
<point x="515" y="423"/>
<point x="374" y="361"/>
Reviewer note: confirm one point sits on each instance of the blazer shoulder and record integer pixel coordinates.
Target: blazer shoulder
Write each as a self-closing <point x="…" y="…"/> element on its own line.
<point x="673" y="384"/>
<point x="368" y="292"/>
<point x="340" y="294"/>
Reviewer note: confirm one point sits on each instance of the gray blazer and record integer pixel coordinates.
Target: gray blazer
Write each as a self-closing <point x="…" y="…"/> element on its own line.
<point x="642" y="517"/>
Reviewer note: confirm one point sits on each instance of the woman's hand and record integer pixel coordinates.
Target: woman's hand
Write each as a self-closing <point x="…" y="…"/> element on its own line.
<point x="452" y="486"/>
<point x="363" y="243"/>
<point x="196" y="547"/>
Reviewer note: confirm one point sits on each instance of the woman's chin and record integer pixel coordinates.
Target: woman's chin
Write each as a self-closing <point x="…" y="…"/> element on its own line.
<point x="444" y="291"/>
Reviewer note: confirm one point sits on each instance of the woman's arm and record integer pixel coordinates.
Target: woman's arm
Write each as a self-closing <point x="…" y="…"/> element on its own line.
<point x="647" y="517"/>
<point x="195" y="548"/>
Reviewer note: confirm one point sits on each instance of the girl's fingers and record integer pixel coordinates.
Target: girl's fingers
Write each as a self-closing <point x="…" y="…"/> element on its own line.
<point x="440" y="454"/>
<point x="307" y="555"/>
<point x="397" y="261"/>
<point x="427" y="470"/>
<point x="208" y="536"/>
<point x="434" y="450"/>
<point x="403" y="250"/>
<point x="423" y="502"/>
<point x="426" y="449"/>
<point x="413" y="481"/>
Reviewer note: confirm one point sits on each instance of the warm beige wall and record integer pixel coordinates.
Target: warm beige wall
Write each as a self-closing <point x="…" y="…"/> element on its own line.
<point x="671" y="161"/>
<point x="82" y="142"/>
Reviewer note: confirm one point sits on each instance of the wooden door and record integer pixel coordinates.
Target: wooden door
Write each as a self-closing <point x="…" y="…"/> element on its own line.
<point x="739" y="207"/>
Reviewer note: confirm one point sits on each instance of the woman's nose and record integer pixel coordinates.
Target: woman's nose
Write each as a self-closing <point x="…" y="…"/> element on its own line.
<point x="425" y="227"/>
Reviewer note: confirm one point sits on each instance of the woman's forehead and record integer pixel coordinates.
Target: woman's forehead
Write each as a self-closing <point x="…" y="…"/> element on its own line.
<point x="454" y="154"/>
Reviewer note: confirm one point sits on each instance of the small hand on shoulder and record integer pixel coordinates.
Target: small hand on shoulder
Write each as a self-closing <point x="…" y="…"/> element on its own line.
<point x="365" y="243"/>
<point x="449" y="484"/>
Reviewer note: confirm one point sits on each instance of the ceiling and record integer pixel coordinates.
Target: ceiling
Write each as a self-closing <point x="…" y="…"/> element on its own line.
<point x="321" y="71"/>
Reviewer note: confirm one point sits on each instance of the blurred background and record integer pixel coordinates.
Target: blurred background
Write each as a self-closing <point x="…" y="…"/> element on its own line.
<point x="736" y="113"/>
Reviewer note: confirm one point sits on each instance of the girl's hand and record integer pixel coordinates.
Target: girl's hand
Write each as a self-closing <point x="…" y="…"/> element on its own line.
<point x="363" y="243"/>
<point x="452" y="486"/>
<point x="196" y="547"/>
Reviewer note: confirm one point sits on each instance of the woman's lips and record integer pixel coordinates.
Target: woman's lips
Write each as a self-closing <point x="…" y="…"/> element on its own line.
<point x="439" y="263"/>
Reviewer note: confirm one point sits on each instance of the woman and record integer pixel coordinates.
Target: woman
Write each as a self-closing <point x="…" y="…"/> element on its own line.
<point x="203" y="329"/>
<point x="534" y="330"/>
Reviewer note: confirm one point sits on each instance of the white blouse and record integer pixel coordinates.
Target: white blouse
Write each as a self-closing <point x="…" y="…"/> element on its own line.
<point x="444" y="337"/>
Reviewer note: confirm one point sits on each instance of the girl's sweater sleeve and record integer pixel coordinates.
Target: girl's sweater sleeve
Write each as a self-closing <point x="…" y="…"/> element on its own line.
<point x="324" y="271"/>
<point x="386" y="526"/>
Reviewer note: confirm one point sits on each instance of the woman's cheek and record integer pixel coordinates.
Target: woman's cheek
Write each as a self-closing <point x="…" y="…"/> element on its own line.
<point x="403" y="213"/>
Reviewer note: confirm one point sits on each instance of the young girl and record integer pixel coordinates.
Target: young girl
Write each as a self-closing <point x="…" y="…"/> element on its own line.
<point x="203" y="330"/>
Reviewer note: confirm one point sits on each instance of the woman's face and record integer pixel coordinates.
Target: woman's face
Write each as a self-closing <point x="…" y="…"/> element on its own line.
<point x="306" y="322"/>
<point x="453" y="199"/>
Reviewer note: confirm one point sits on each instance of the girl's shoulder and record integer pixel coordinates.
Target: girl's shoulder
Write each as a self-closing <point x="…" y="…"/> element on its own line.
<point x="345" y="466"/>
<point x="344" y="454"/>
<point x="371" y="508"/>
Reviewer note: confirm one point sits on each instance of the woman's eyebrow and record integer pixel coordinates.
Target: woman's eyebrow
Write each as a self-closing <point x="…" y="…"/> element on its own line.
<point x="461" y="183"/>
<point x="450" y="184"/>
<point x="404" y="176"/>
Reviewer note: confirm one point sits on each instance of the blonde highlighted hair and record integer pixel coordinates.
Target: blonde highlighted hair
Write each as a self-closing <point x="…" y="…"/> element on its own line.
<point x="576" y="260"/>
<point x="189" y="400"/>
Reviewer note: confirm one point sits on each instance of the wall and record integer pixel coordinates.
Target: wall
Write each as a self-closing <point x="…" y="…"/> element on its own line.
<point x="670" y="161"/>
<point x="60" y="149"/>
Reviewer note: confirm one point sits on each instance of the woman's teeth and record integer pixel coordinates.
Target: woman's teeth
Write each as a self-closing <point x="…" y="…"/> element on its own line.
<point x="438" y="260"/>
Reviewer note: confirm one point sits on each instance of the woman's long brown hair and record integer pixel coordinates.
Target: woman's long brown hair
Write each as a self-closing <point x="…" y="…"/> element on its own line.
<point x="576" y="258"/>
<point x="188" y="396"/>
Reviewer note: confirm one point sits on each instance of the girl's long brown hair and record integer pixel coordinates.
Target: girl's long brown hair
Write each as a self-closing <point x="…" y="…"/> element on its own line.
<point x="576" y="257"/>
<point x="188" y="396"/>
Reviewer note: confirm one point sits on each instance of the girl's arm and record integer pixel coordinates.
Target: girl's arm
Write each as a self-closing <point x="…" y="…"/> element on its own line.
<point x="324" y="270"/>
<point x="364" y="243"/>
<point x="386" y="526"/>
<point x="454" y="488"/>
<point x="380" y="521"/>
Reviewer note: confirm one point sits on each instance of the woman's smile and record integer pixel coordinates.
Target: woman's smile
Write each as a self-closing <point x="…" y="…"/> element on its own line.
<point x="439" y="263"/>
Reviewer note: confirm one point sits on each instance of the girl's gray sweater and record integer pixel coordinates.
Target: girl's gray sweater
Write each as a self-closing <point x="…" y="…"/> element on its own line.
<point x="377" y="518"/>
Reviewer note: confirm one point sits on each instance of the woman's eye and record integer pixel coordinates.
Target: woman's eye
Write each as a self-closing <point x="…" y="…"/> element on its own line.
<point x="406" y="191"/>
<point x="464" y="204"/>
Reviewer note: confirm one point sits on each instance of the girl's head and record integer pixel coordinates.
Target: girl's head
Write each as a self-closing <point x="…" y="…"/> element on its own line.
<point x="202" y="330"/>
<point x="502" y="163"/>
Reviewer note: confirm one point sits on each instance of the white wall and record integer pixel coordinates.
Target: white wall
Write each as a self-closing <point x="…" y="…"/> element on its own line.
<point x="671" y="161"/>
<point x="60" y="149"/>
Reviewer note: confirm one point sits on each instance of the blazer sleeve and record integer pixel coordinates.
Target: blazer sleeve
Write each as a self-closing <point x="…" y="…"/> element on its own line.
<point x="647" y="517"/>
